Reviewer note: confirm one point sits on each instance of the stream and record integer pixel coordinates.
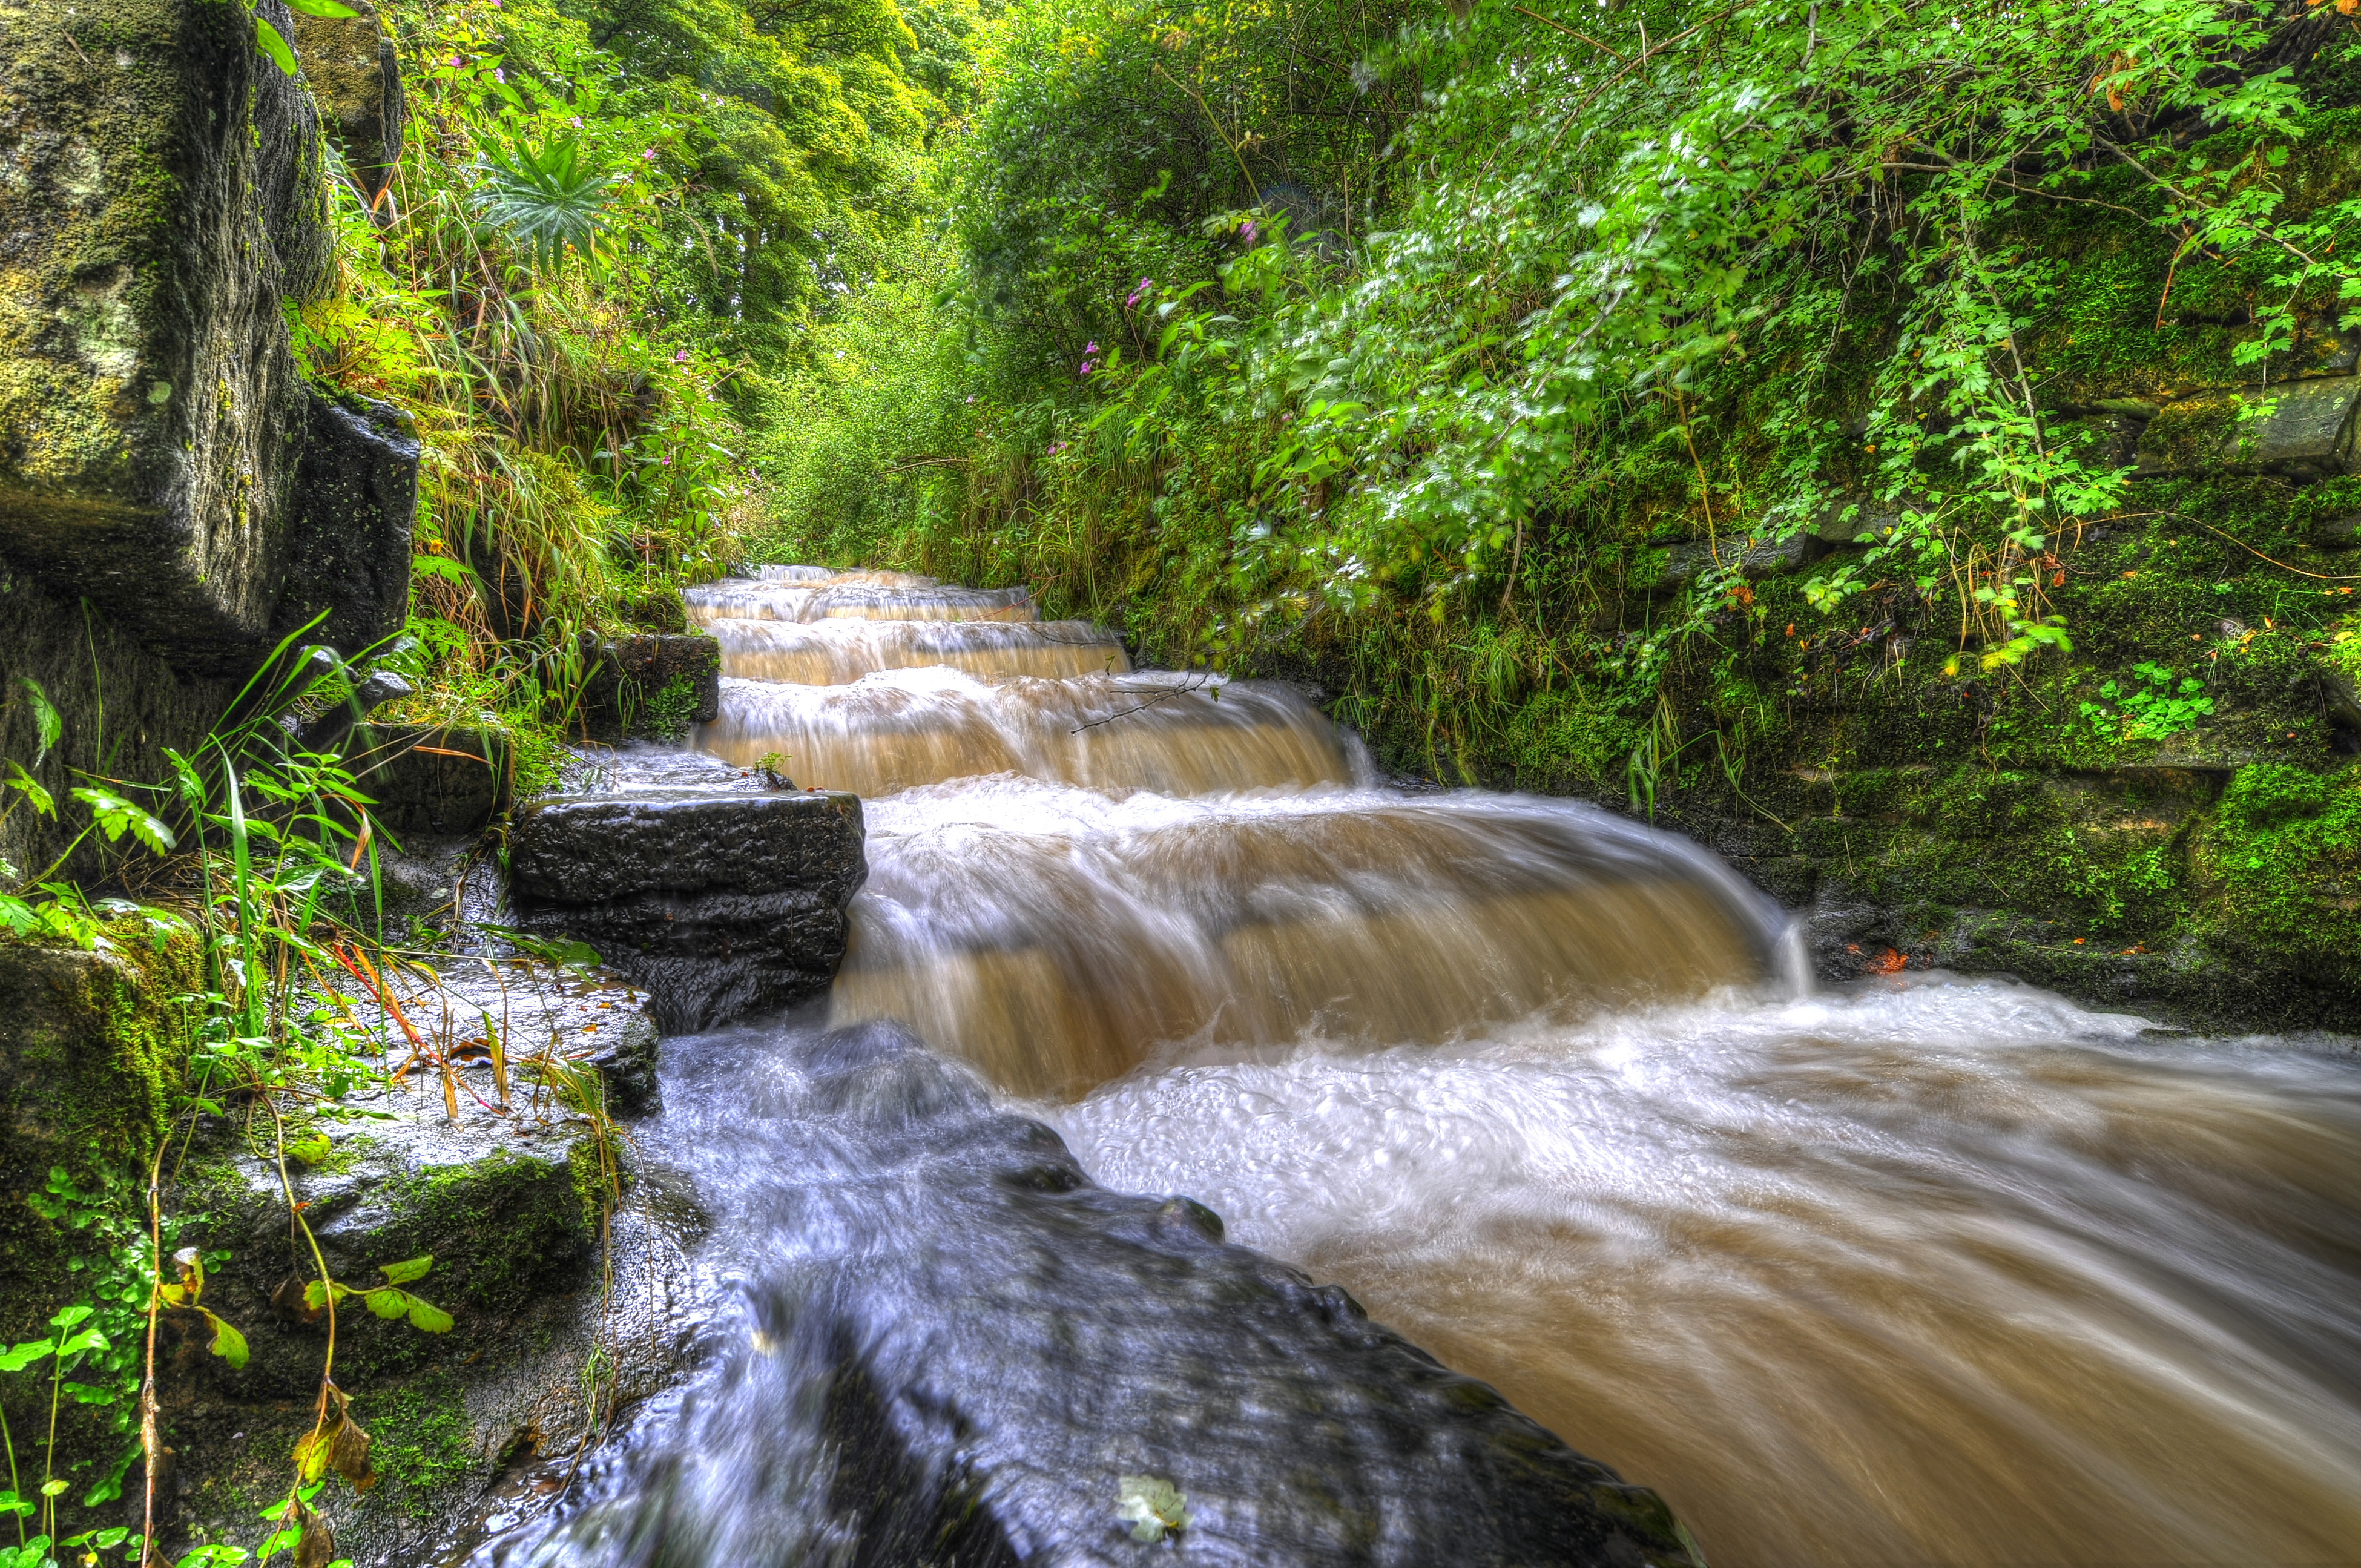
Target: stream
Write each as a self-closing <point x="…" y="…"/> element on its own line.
<point x="1923" y="1268"/>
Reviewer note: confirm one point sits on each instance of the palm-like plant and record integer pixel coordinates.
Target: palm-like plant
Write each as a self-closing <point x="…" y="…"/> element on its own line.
<point x="545" y="201"/>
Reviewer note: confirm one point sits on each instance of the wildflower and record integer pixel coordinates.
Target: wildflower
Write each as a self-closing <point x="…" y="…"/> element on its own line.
<point x="1139" y="292"/>
<point x="970" y="398"/>
<point x="452" y="60"/>
<point x="649" y="154"/>
<point x="1247" y="233"/>
<point x="680" y="357"/>
<point x="575" y="122"/>
<point x="499" y="74"/>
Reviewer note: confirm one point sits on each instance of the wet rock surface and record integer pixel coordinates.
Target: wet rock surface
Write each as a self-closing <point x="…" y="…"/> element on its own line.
<point x="156" y="423"/>
<point x="512" y="1197"/>
<point x="948" y="1345"/>
<point x="656" y="684"/>
<point x="717" y="898"/>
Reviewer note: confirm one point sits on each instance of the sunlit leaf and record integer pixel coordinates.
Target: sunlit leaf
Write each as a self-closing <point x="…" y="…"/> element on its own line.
<point x="408" y="1270"/>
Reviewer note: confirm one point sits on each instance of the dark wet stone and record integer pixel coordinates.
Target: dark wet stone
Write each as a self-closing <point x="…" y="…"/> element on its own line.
<point x="347" y="581"/>
<point x="657" y="684"/>
<point x="956" y="1347"/>
<point x="431" y="780"/>
<point x="719" y="902"/>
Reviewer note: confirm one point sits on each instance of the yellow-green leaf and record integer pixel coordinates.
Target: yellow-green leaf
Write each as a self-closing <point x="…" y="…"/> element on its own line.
<point x="408" y="1270"/>
<point x="427" y="1318"/>
<point x="311" y="1454"/>
<point x="266" y="38"/>
<point x="388" y="1302"/>
<point x="228" y="1342"/>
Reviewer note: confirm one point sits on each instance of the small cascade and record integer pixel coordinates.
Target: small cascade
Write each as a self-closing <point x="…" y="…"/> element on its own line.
<point x="1056" y="936"/>
<point x="853" y="596"/>
<point x="1076" y="867"/>
<point x="903" y="729"/>
<point x="838" y="653"/>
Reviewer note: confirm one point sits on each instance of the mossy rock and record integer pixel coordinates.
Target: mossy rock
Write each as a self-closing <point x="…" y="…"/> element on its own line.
<point x="90" y="1044"/>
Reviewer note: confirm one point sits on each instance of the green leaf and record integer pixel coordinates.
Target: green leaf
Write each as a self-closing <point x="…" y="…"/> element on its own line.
<point x="67" y="1317"/>
<point x="24" y="1355"/>
<point x="408" y="1270"/>
<point x="26" y="785"/>
<point x="441" y="566"/>
<point x="47" y="725"/>
<point x="427" y="1318"/>
<point x="313" y="1150"/>
<point x="228" y="1342"/>
<point x="88" y="1394"/>
<point x="267" y="38"/>
<point x="117" y="816"/>
<point x="387" y="1302"/>
<point x="328" y="8"/>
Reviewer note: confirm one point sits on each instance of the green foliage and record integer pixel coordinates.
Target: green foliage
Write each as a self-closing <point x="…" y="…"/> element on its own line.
<point x="2148" y="706"/>
<point x="672" y="708"/>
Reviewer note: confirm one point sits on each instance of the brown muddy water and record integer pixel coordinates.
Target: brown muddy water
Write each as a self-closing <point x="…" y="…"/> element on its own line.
<point x="1924" y="1271"/>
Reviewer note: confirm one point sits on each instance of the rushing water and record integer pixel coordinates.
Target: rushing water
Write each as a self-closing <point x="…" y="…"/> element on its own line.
<point x="1924" y="1269"/>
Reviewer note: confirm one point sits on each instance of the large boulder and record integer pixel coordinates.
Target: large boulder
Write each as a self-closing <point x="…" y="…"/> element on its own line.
<point x="718" y="900"/>
<point x="160" y="453"/>
<point x="948" y="1345"/>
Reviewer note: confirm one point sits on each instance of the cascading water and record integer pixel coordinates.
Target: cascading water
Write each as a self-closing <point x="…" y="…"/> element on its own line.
<point x="1924" y="1271"/>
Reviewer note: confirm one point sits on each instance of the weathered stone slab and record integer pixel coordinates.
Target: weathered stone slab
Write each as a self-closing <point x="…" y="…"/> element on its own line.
<point x="163" y="195"/>
<point x="356" y="77"/>
<point x="429" y="780"/>
<point x="2303" y="429"/>
<point x="657" y="684"/>
<point x="716" y="901"/>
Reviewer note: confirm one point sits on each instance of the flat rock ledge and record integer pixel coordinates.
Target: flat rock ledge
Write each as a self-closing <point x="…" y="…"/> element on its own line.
<point x="718" y="900"/>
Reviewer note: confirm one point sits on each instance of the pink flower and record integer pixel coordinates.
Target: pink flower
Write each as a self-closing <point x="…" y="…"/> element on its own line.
<point x="1247" y="233"/>
<point x="499" y="74"/>
<point x="650" y="155"/>
<point x="1139" y="292"/>
<point x="665" y="460"/>
<point x="452" y="60"/>
<point x="575" y="122"/>
<point x="681" y="357"/>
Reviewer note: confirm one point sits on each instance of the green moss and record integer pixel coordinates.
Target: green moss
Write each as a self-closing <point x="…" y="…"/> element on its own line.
<point x="424" y="1442"/>
<point x="2285" y="849"/>
<point x="497" y="1227"/>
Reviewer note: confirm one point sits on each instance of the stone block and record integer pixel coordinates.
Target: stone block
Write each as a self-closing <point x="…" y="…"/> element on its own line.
<point x="717" y="900"/>
<point x="1765" y="557"/>
<point x="656" y="685"/>
<point x="2301" y="429"/>
<point x="347" y="574"/>
<point x="431" y="780"/>
<point x="356" y="78"/>
<point x="163" y="197"/>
